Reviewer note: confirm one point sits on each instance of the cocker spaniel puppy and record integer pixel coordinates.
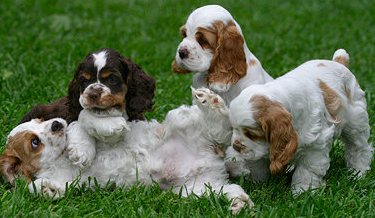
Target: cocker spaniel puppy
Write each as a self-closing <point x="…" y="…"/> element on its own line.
<point x="294" y="119"/>
<point x="106" y="84"/>
<point x="184" y="153"/>
<point x="214" y="48"/>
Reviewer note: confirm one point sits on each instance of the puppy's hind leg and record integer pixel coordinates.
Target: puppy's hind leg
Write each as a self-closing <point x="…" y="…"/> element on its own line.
<point x="358" y="152"/>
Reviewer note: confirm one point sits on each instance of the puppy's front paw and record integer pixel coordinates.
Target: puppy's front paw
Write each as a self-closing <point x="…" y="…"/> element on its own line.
<point x="47" y="188"/>
<point x="219" y="87"/>
<point x="109" y="129"/>
<point x="240" y="202"/>
<point x="207" y="99"/>
<point x="80" y="157"/>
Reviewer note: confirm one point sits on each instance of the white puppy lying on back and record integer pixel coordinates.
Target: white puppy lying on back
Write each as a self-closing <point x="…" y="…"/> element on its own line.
<point x="183" y="153"/>
<point x="294" y="119"/>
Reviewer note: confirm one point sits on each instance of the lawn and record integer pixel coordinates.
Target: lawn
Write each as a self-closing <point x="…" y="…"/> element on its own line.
<point x="41" y="43"/>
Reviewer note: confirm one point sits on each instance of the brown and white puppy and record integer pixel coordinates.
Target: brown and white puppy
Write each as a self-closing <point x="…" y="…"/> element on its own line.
<point x="214" y="48"/>
<point x="32" y="145"/>
<point x="106" y="83"/>
<point x="294" y="119"/>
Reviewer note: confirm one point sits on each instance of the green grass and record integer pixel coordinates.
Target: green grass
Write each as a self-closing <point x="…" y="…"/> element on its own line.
<point x="41" y="42"/>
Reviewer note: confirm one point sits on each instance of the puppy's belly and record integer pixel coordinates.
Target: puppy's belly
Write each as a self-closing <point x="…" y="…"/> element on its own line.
<point x="121" y="166"/>
<point x="171" y="164"/>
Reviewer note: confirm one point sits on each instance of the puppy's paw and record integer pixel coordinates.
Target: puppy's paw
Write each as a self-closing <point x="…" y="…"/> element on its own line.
<point x="207" y="99"/>
<point x="47" y="188"/>
<point x="81" y="157"/>
<point x="109" y="129"/>
<point x="240" y="202"/>
<point x="219" y="87"/>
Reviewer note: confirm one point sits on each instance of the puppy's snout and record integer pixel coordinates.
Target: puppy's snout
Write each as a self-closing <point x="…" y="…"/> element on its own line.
<point x="96" y="88"/>
<point x="94" y="96"/>
<point x="183" y="53"/>
<point x="94" y="93"/>
<point x="56" y="126"/>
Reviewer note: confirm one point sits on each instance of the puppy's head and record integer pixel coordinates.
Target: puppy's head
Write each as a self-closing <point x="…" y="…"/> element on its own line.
<point x="212" y="42"/>
<point x="32" y="145"/>
<point x="263" y="127"/>
<point x="108" y="84"/>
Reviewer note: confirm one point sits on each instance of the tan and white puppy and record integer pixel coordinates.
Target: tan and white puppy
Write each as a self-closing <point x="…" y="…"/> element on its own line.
<point x="214" y="48"/>
<point x="294" y="119"/>
<point x="184" y="153"/>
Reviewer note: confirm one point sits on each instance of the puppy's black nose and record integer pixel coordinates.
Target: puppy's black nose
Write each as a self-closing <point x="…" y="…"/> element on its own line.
<point x="183" y="53"/>
<point x="93" y="96"/>
<point x="56" y="126"/>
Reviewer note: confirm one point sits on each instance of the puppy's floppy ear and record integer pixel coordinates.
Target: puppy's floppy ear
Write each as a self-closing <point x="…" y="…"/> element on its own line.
<point x="9" y="166"/>
<point x="276" y="122"/>
<point x="74" y="107"/>
<point x="228" y="64"/>
<point x="141" y="90"/>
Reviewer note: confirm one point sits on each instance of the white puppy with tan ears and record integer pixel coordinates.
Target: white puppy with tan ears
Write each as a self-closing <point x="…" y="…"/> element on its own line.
<point x="294" y="119"/>
<point x="214" y="49"/>
<point x="184" y="153"/>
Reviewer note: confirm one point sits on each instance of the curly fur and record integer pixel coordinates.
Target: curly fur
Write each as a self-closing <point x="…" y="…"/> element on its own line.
<point x="179" y="154"/>
<point x="139" y="96"/>
<point x="308" y="106"/>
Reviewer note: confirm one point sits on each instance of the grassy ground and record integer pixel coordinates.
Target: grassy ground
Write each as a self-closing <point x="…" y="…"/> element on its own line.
<point x="41" y="43"/>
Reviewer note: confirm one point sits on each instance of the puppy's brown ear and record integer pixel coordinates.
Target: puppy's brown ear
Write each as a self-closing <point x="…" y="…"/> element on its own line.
<point x="276" y="122"/>
<point x="228" y="64"/>
<point x="74" y="107"/>
<point x="9" y="167"/>
<point x="141" y="90"/>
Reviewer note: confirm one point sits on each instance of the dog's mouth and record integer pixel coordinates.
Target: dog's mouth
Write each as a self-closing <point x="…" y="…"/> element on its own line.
<point x="179" y="68"/>
<point x="108" y="111"/>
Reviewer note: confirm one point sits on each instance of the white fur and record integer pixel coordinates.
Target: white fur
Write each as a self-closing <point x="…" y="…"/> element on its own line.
<point x="178" y="153"/>
<point x="199" y="59"/>
<point x="298" y="91"/>
<point x="100" y="61"/>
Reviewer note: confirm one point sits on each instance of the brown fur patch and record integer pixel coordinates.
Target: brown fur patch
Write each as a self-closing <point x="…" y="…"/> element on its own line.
<point x="183" y="31"/>
<point x="228" y="64"/>
<point x="331" y="99"/>
<point x="219" y="150"/>
<point x="20" y="158"/>
<point x="178" y="69"/>
<point x="207" y="38"/>
<point x="276" y="123"/>
<point x="113" y="100"/>
<point x="254" y="134"/>
<point x="59" y="108"/>
<point x="321" y="65"/>
<point x="238" y="146"/>
<point x="105" y="74"/>
<point x="86" y="75"/>
<point x="253" y="62"/>
<point x="342" y="60"/>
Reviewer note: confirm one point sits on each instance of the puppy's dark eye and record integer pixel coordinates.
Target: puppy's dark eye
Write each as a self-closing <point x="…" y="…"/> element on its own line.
<point x="112" y="80"/>
<point x="84" y="82"/>
<point x="35" y="142"/>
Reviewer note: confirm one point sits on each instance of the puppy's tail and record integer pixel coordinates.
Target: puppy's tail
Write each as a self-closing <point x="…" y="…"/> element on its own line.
<point x="342" y="57"/>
